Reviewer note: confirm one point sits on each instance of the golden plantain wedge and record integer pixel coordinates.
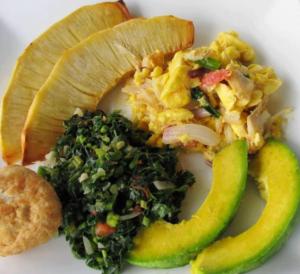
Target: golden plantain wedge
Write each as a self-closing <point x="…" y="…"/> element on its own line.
<point x="35" y="64"/>
<point x="87" y="71"/>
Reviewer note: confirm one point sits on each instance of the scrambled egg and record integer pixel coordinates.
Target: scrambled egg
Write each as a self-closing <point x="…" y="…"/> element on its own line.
<point x="229" y="47"/>
<point x="226" y="96"/>
<point x="174" y="85"/>
<point x="264" y="78"/>
<point x="160" y="93"/>
<point x="170" y="93"/>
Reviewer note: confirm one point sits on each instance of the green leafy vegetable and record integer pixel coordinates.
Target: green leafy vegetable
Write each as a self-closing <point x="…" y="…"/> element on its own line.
<point x="198" y="94"/>
<point x="104" y="174"/>
<point x="209" y="63"/>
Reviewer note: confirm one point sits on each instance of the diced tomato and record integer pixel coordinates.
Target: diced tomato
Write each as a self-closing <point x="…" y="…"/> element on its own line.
<point x="104" y="230"/>
<point x="214" y="77"/>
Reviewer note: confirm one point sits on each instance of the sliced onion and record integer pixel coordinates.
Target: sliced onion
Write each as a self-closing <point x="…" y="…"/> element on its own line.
<point x="256" y="123"/>
<point x="130" y="216"/>
<point x="257" y="119"/>
<point x="199" y="133"/>
<point x="83" y="177"/>
<point x="50" y="159"/>
<point x="240" y="82"/>
<point x="87" y="246"/>
<point x="100" y="245"/>
<point x="201" y="113"/>
<point x="162" y="185"/>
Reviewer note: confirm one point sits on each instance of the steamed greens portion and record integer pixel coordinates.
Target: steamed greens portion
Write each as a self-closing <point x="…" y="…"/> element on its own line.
<point x="111" y="184"/>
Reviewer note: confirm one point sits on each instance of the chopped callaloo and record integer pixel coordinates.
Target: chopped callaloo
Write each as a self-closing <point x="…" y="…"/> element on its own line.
<point x="198" y="94"/>
<point x="106" y="177"/>
<point x="209" y="63"/>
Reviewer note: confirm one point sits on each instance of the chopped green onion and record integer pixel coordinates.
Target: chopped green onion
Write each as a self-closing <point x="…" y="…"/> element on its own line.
<point x="198" y="94"/>
<point x="209" y="63"/>
<point x="70" y="230"/>
<point x="101" y="206"/>
<point x="42" y="171"/>
<point x="143" y="204"/>
<point x="120" y="144"/>
<point x="146" y="221"/>
<point x="65" y="149"/>
<point x="114" y="189"/>
<point x="104" y="129"/>
<point x="105" y="139"/>
<point x="112" y="219"/>
<point x="80" y="139"/>
<point x="133" y="163"/>
<point x="104" y="255"/>
<point x="212" y="111"/>
<point x="129" y="203"/>
<point x="161" y="210"/>
<point x="100" y="152"/>
<point x="114" y="155"/>
<point x="100" y="173"/>
<point x="76" y="162"/>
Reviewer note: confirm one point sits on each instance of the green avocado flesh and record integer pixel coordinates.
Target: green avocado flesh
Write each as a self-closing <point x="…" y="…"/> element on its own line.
<point x="276" y="170"/>
<point x="166" y="245"/>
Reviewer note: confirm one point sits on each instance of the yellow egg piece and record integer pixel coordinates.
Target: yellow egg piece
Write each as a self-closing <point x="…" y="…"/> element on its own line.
<point x="229" y="47"/>
<point x="226" y="96"/>
<point x="157" y="71"/>
<point x="141" y="75"/>
<point x="239" y="130"/>
<point x="256" y="98"/>
<point x="175" y="88"/>
<point x="171" y="117"/>
<point x="265" y="78"/>
<point x="155" y="59"/>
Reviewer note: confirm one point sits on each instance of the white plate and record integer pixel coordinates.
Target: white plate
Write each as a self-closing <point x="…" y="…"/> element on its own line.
<point x="272" y="27"/>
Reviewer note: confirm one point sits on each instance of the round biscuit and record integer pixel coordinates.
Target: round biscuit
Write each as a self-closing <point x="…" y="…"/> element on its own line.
<point x="30" y="211"/>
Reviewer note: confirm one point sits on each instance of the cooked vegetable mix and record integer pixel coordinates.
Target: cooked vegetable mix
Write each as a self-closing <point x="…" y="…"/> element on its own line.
<point x="111" y="184"/>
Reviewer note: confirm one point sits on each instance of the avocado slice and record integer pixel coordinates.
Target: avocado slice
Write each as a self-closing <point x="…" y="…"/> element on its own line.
<point x="276" y="169"/>
<point x="165" y="245"/>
